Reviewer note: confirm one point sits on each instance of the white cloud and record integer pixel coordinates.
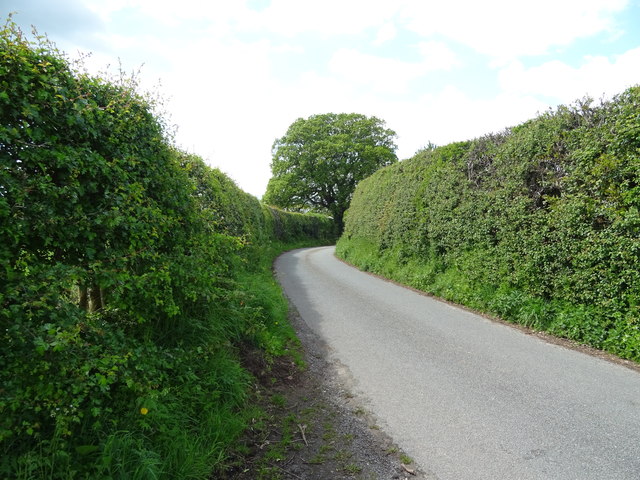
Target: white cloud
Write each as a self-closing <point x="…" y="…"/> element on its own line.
<point x="224" y="101"/>
<point x="383" y="75"/>
<point x="386" y="32"/>
<point x="451" y="115"/>
<point x="390" y="75"/>
<point x="329" y="17"/>
<point x="438" y="56"/>
<point x="218" y="62"/>
<point x="595" y="77"/>
<point x="171" y="11"/>
<point x="506" y="29"/>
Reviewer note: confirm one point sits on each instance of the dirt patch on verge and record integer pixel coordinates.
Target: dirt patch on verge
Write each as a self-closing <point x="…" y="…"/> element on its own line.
<point x="312" y="426"/>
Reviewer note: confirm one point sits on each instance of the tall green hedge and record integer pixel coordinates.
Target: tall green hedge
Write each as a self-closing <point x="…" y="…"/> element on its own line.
<point x="121" y="309"/>
<point x="539" y="224"/>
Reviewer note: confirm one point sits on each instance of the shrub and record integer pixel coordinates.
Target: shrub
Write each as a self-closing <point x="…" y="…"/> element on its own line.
<point x="530" y="223"/>
<point x="124" y="298"/>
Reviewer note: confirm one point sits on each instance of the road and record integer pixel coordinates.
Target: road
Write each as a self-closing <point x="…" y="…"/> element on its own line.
<point x="466" y="397"/>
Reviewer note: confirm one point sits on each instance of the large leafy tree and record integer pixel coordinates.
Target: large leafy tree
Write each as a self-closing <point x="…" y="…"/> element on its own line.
<point x="319" y="161"/>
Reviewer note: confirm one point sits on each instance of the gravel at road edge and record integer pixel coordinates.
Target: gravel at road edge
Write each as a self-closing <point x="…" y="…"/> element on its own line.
<point x="341" y="439"/>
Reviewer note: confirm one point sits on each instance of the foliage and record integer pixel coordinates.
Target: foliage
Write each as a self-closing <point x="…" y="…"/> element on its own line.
<point x="538" y="224"/>
<point x="127" y="285"/>
<point x="320" y="160"/>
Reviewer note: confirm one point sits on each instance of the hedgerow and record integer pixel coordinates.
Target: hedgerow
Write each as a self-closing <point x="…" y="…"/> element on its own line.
<point x="126" y="288"/>
<point x="538" y="224"/>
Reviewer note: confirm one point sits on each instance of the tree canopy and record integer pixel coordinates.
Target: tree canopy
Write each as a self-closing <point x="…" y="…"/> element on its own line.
<point x="319" y="161"/>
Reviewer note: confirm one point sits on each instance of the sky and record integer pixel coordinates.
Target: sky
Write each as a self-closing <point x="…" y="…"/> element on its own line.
<point x="236" y="73"/>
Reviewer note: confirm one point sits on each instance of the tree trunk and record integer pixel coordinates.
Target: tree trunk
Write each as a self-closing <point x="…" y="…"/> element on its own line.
<point x="84" y="297"/>
<point x="338" y="220"/>
<point x="96" y="298"/>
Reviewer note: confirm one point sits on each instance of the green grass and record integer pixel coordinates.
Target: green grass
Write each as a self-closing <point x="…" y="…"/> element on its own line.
<point x="406" y="459"/>
<point x="352" y="468"/>
<point x="456" y="283"/>
<point x="193" y="422"/>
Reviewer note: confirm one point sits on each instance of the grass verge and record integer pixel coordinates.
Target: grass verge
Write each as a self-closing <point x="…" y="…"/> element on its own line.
<point x="584" y="324"/>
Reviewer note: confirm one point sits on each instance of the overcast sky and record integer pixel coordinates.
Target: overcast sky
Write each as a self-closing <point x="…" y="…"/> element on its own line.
<point x="237" y="73"/>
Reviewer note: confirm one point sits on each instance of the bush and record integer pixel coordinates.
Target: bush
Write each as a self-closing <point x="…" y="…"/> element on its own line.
<point x="538" y="223"/>
<point x="125" y="290"/>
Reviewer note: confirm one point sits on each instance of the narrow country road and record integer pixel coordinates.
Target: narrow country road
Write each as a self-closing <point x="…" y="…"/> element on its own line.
<point x="466" y="397"/>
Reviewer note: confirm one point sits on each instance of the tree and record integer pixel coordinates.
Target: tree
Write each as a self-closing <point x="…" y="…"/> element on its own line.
<point x="319" y="161"/>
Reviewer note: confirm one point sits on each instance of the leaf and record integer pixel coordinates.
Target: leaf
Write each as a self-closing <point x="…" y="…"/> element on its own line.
<point x="87" y="449"/>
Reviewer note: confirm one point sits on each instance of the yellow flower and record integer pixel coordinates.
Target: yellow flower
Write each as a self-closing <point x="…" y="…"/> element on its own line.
<point x="144" y="411"/>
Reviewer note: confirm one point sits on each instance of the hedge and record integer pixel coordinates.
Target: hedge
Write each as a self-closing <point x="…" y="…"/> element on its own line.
<point x="122" y="304"/>
<point x="538" y="224"/>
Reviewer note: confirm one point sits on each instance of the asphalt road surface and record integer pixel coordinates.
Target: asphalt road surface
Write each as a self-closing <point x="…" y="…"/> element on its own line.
<point x="466" y="397"/>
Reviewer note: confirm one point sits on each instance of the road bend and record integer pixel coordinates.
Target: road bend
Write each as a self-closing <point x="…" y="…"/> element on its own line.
<point x="466" y="397"/>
